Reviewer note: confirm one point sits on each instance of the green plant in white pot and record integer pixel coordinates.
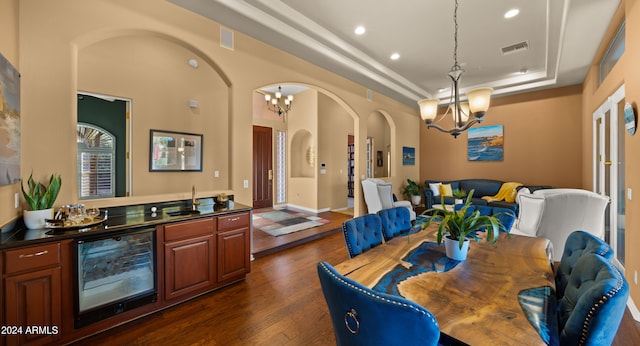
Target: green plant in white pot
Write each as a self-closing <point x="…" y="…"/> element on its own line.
<point x="458" y="226"/>
<point x="40" y="199"/>
<point x="413" y="191"/>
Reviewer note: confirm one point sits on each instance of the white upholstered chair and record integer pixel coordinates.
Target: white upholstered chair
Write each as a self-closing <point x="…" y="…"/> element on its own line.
<point x="378" y="194"/>
<point x="556" y="213"/>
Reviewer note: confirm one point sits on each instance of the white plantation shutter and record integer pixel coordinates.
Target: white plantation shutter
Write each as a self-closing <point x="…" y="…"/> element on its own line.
<point x="96" y="160"/>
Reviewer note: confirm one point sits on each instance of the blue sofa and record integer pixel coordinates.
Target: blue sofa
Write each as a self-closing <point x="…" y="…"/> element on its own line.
<point x="482" y="187"/>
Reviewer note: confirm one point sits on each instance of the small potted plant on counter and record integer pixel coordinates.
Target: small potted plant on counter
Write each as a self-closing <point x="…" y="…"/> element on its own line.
<point x="413" y="191"/>
<point x="458" y="226"/>
<point x="40" y="200"/>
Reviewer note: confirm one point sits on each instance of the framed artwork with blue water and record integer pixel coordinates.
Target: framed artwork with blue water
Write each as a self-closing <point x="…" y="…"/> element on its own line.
<point x="485" y="143"/>
<point x="9" y="123"/>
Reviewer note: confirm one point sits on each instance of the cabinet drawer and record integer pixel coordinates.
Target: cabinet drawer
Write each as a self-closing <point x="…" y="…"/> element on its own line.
<point x="232" y="221"/>
<point x="27" y="258"/>
<point x="188" y="229"/>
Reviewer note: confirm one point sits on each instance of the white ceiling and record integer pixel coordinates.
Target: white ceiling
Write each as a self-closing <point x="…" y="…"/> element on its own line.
<point x="563" y="36"/>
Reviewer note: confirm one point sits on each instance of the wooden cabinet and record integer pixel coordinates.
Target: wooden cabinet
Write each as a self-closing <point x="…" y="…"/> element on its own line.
<point x="233" y="247"/>
<point x="193" y="257"/>
<point x="32" y="295"/>
<point x="189" y="258"/>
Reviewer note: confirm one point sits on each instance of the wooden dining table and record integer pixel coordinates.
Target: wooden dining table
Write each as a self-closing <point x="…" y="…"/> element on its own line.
<point x="502" y="294"/>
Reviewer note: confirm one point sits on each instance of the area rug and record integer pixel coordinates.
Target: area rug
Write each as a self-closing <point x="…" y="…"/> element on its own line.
<point x="285" y="221"/>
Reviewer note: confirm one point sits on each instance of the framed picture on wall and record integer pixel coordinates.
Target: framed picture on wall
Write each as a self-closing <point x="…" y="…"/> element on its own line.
<point x="408" y="156"/>
<point x="486" y="143"/>
<point x="175" y="151"/>
<point x="9" y="123"/>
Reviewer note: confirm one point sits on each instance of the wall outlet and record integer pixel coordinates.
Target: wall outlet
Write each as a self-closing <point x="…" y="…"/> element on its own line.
<point x="16" y="200"/>
<point x="635" y="277"/>
<point x="629" y="194"/>
<point x="245" y="184"/>
<point x="216" y="174"/>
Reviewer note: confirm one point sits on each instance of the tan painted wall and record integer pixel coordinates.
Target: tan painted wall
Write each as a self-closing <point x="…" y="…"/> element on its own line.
<point x="154" y="73"/>
<point x="52" y="36"/>
<point x="303" y="148"/>
<point x="624" y="72"/>
<point x="334" y="125"/>
<point x="542" y="142"/>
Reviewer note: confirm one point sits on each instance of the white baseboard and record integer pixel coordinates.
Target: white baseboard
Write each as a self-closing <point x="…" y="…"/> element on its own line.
<point x="633" y="309"/>
<point x="302" y="209"/>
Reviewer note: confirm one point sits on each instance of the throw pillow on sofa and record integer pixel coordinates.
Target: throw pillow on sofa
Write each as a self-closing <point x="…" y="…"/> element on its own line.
<point x="445" y="190"/>
<point x="435" y="188"/>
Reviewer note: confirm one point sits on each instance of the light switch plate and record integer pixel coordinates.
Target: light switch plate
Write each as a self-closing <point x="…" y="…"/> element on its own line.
<point x="629" y="194"/>
<point x="245" y="183"/>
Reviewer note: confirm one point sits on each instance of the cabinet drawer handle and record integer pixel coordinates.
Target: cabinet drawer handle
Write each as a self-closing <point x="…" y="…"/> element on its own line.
<point x="34" y="254"/>
<point x="234" y="219"/>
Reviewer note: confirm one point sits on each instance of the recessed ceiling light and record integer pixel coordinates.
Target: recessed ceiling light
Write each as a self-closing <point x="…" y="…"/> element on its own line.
<point x="360" y="30"/>
<point x="512" y="13"/>
<point x="395" y="56"/>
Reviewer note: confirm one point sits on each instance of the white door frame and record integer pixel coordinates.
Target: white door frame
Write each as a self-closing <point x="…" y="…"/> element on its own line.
<point x="601" y="159"/>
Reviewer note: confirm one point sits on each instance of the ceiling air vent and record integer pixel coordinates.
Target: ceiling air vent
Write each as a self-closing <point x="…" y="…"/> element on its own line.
<point x="514" y="48"/>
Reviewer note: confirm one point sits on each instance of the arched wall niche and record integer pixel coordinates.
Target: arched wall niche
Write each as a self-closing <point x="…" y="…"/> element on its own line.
<point x="302" y="155"/>
<point x="136" y="65"/>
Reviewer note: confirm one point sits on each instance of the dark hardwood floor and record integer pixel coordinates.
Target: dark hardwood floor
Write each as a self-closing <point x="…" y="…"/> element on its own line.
<point x="279" y="303"/>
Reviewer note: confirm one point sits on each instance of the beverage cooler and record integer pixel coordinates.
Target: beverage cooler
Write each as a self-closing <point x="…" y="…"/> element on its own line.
<point x="115" y="273"/>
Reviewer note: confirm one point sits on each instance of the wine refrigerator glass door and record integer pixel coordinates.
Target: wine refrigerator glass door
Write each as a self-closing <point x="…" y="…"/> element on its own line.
<point x="114" y="274"/>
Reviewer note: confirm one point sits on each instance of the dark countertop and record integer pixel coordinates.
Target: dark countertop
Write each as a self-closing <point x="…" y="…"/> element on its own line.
<point x="119" y="219"/>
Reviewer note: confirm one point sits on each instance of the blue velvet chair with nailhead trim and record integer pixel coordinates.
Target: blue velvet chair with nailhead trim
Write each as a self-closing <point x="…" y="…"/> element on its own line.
<point x="594" y="301"/>
<point x="395" y="221"/>
<point x="578" y="243"/>
<point x="362" y="233"/>
<point x="361" y="316"/>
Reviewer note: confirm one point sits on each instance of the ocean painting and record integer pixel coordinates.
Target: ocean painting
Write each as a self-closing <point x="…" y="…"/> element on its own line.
<point x="408" y="156"/>
<point x="9" y="123"/>
<point x="486" y="143"/>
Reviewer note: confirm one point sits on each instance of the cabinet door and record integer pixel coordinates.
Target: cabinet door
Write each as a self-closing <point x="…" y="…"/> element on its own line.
<point x="189" y="267"/>
<point x="33" y="300"/>
<point x="233" y="254"/>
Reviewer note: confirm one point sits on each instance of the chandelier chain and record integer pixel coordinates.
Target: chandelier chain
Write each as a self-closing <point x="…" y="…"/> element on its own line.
<point x="455" y="38"/>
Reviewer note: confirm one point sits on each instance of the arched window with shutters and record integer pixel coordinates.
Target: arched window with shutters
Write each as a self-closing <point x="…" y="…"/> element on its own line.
<point x="96" y="162"/>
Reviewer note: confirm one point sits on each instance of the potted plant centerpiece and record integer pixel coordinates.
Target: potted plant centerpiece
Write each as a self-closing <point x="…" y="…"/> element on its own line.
<point x="413" y="191"/>
<point x="459" y="195"/>
<point x="40" y="200"/>
<point x="458" y="226"/>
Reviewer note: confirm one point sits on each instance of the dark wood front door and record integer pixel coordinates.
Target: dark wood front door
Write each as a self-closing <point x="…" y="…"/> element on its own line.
<point x="262" y="167"/>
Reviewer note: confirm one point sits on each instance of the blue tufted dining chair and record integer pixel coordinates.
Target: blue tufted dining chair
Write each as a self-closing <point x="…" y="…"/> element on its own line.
<point x="395" y="221"/>
<point x="590" y="311"/>
<point x="362" y="233"/>
<point x="578" y="243"/>
<point x="361" y="316"/>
